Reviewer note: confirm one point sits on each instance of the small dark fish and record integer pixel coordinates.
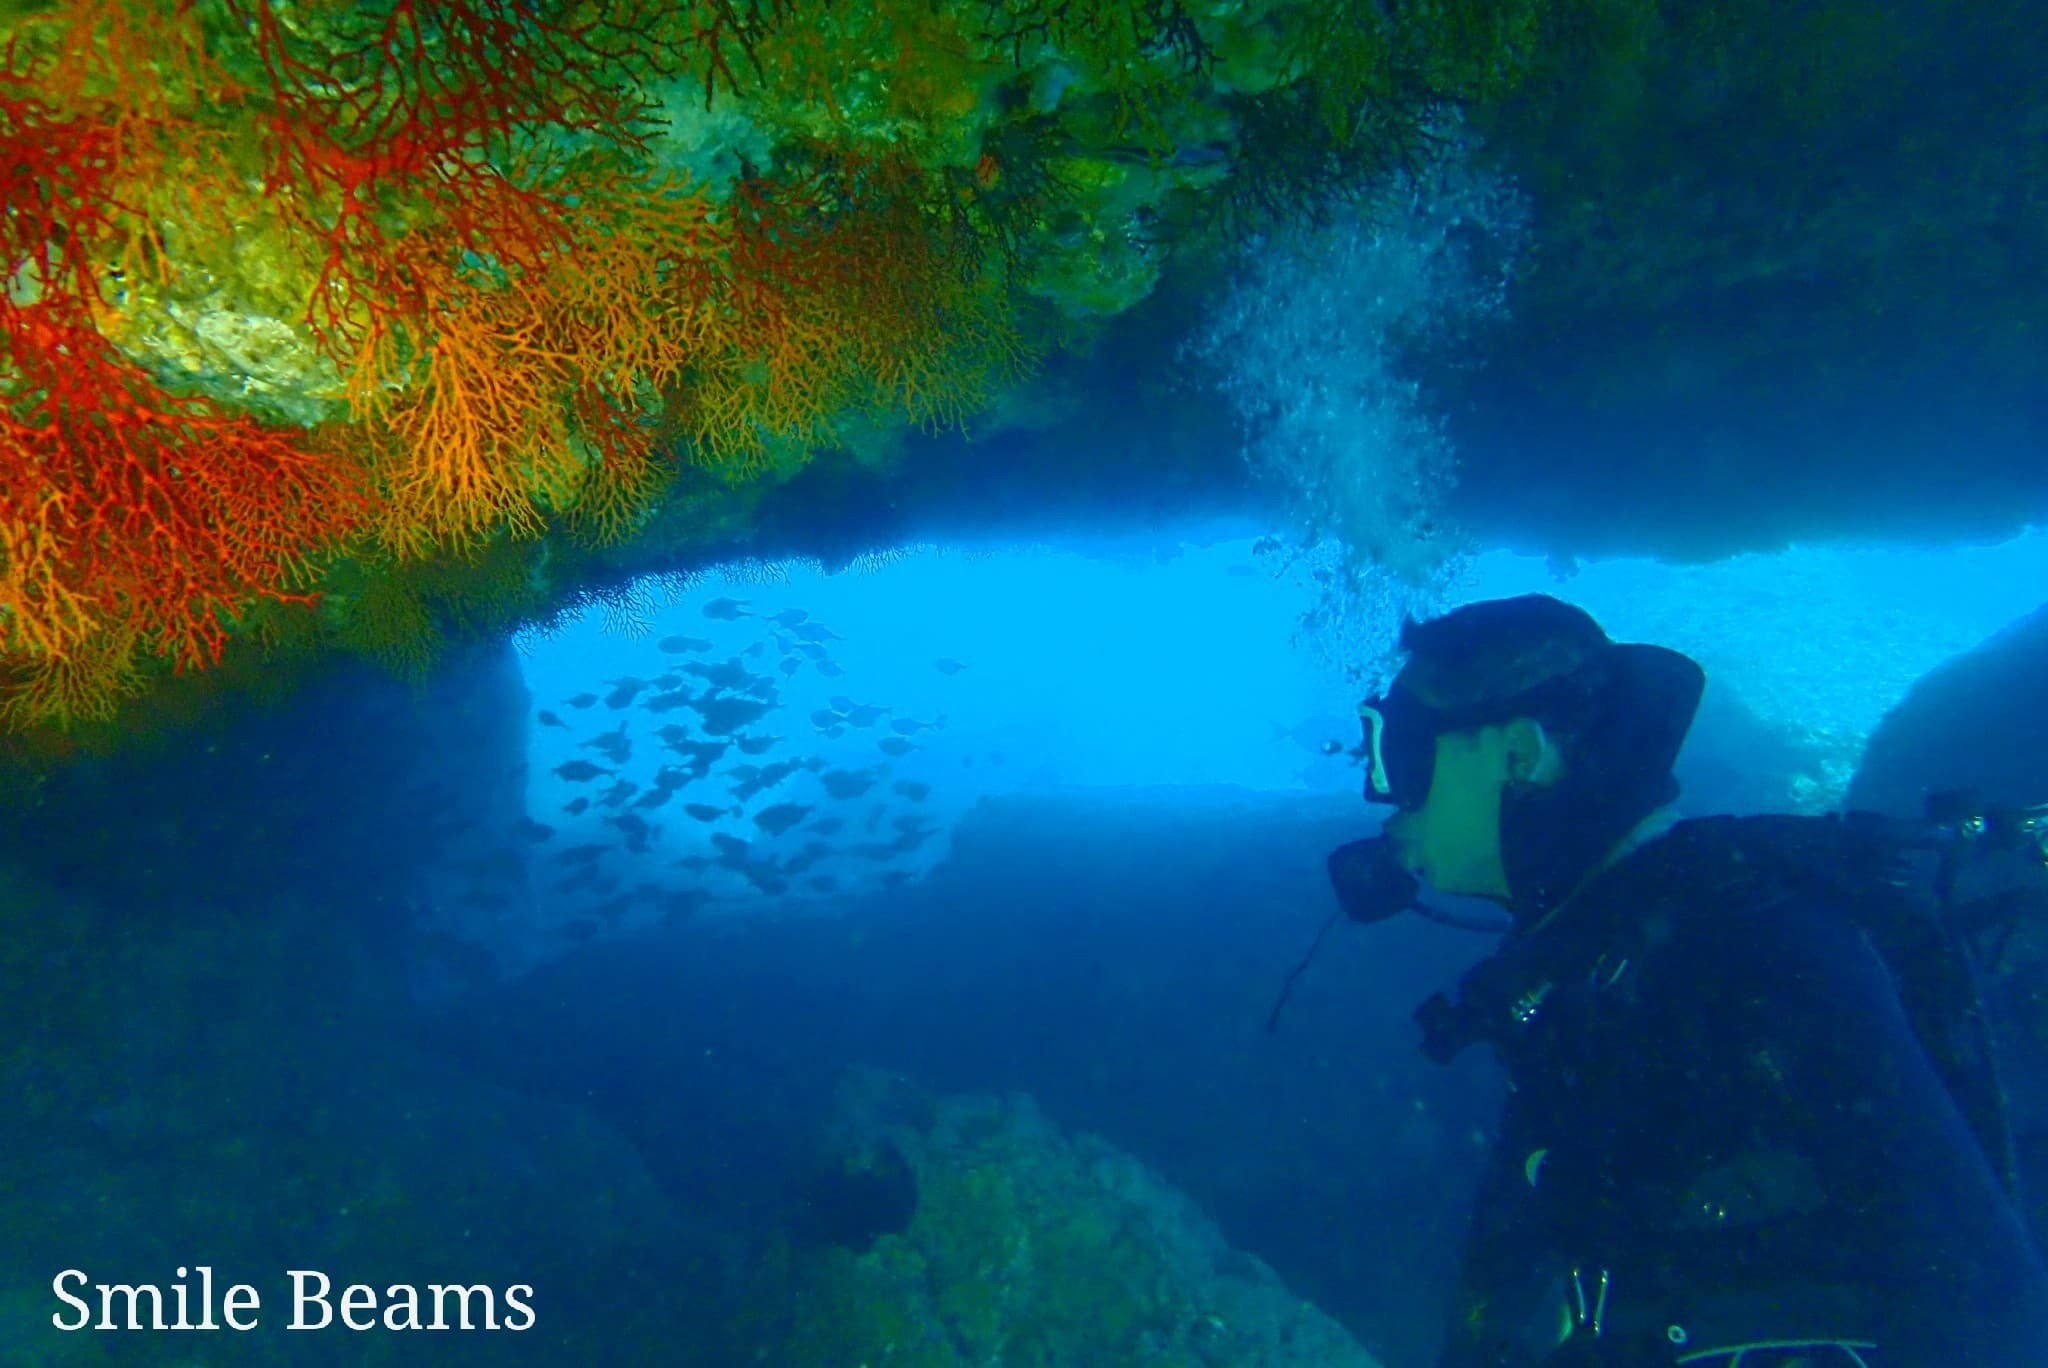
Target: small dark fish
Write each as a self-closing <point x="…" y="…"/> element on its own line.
<point x="948" y="666"/>
<point x="1318" y="734"/>
<point x="789" y="665"/>
<point x="843" y="784"/>
<point x="780" y="818"/>
<point x="669" y="778"/>
<point x="825" y="717"/>
<point x="576" y="807"/>
<point x="669" y="702"/>
<point x="705" y="812"/>
<point x="700" y="755"/>
<point x="766" y="880"/>
<point x="761" y="687"/>
<point x="912" y="790"/>
<point x="581" y="854"/>
<point x="508" y="865"/>
<point x="756" y="745"/>
<point x="682" y="645"/>
<point x="822" y="883"/>
<point x="910" y="726"/>
<point x="582" y="700"/>
<point x="679" y="904"/>
<point x="548" y="719"/>
<point x="731" y="849"/>
<point x="814" y="651"/>
<point x="580" y="771"/>
<point x="866" y="715"/>
<point x="535" y="831"/>
<point x="618" y="793"/>
<point x="613" y="744"/>
<point x="729" y="674"/>
<point x="895" y="745"/>
<point x="789" y="617"/>
<point x="674" y="734"/>
<point x="726" y="610"/>
<point x="613" y="908"/>
<point x="636" y="829"/>
<point x="724" y="716"/>
<point x="826" y="826"/>
<point x="833" y="733"/>
<point x="653" y="798"/>
<point x="755" y="651"/>
<point x="812" y="852"/>
<point x="830" y="669"/>
<point x="624" y="691"/>
<point x="752" y="780"/>
<point x="814" y="632"/>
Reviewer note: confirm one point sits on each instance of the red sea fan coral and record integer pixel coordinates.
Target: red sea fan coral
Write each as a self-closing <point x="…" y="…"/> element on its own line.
<point x="125" y="511"/>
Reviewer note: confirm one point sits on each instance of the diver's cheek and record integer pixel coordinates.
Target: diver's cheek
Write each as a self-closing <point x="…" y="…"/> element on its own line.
<point x="1404" y="841"/>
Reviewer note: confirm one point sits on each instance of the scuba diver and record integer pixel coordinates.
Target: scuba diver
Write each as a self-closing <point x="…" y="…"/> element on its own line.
<point x="1753" y="1118"/>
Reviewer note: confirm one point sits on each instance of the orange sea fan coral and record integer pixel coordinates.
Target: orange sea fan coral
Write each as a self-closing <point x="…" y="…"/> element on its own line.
<point x="845" y="293"/>
<point x="125" y="59"/>
<point x="622" y="478"/>
<point x="446" y="119"/>
<point x="635" y="293"/>
<point x="465" y="453"/>
<point x="63" y="691"/>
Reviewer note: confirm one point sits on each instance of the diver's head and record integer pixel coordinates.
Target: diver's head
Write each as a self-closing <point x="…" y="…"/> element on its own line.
<point x="1522" y="746"/>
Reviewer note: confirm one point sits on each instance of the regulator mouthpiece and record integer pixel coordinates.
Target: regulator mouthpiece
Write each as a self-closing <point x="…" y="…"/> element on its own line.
<point x="1371" y="884"/>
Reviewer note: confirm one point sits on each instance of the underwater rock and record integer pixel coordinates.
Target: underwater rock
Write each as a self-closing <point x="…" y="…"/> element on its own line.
<point x="254" y="1095"/>
<point x="1031" y="1246"/>
<point x="857" y="1201"/>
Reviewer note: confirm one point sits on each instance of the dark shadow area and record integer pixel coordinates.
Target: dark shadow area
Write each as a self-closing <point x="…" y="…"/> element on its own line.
<point x="220" y="1048"/>
<point x="1113" y="955"/>
<point x="1976" y="724"/>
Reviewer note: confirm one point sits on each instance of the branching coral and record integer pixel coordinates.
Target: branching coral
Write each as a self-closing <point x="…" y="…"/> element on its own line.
<point x="466" y="449"/>
<point x="621" y="479"/>
<point x="64" y="691"/>
<point x="123" y="506"/>
<point x="123" y="509"/>
<point x="455" y="219"/>
<point x="843" y="291"/>
<point x="368" y="139"/>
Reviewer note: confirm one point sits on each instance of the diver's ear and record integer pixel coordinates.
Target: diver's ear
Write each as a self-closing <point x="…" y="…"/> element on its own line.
<point x="1534" y="756"/>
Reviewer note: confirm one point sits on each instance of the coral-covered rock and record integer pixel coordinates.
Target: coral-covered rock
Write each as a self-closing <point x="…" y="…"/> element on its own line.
<point x="1031" y="1246"/>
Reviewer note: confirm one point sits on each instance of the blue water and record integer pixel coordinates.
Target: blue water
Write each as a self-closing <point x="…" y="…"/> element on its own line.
<point x="299" y="990"/>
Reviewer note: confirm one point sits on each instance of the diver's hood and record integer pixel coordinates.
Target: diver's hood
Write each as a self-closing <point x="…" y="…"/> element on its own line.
<point x="1645" y="698"/>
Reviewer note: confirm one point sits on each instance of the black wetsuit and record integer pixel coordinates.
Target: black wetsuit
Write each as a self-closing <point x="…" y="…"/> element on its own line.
<point x="1726" y="1129"/>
